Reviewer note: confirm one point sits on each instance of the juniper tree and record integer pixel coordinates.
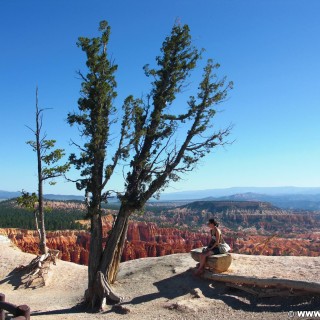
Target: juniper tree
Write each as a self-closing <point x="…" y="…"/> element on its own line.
<point x="30" y="202"/>
<point x="47" y="170"/>
<point x="149" y="139"/>
<point x="159" y="154"/>
<point x="94" y="119"/>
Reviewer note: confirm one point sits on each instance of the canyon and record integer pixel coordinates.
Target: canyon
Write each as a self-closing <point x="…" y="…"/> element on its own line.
<point x="147" y="240"/>
<point x="249" y="227"/>
<point x="143" y="240"/>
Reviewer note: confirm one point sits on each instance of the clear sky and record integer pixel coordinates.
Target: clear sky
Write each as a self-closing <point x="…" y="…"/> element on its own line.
<point x="270" y="49"/>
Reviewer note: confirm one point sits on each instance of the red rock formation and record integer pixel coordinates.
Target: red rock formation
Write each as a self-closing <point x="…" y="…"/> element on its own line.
<point x="148" y="240"/>
<point x="143" y="240"/>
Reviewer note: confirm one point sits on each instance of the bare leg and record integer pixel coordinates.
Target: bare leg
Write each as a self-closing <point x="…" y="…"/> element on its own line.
<point x="203" y="258"/>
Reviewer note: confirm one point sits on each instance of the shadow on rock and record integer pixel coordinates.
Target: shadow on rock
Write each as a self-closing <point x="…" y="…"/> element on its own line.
<point x="185" y="283"/>
<point x="180" y="285"/>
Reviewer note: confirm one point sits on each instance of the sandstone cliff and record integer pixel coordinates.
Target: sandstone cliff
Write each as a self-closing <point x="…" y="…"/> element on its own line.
<point x="250" y="228"/>
<point x="148" y="240"/>
<point x="144" y="240"/>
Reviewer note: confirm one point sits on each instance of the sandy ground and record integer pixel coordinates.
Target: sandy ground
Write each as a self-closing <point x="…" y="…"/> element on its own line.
<point x="160" y="288"/>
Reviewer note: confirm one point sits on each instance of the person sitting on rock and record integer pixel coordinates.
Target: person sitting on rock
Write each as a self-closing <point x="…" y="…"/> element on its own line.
<point x="212" y="248"/>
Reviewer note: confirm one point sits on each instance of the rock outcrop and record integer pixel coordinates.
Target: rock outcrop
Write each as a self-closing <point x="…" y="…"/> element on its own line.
<point x="143" y="240"/>
<point x="264" y="233"/>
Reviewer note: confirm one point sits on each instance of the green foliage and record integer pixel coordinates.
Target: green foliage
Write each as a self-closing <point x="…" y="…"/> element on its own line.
<point x="95" y="117"/>
<point x="159" y="155"/>
<point x="47" y="159"/>
<point x="178" y="58"/>
<point x="111" y="206"/>
<point x="27" y="200"/>
<point x="50" y="169"/>
<point x="149" y="128"/>
<point x="12" y="216"/>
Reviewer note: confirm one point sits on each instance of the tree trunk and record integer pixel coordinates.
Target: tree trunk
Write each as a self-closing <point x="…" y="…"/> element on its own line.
<point x="103" y="267"/>
<point x="36" y="222"/>
<point x="92" y="294"/>
<point x="43" y="239"/>
<point x="114" y="248"/>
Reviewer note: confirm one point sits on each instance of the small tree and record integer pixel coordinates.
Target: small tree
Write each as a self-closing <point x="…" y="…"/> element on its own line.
<point x="150" y="131"/>
<point x="48" y="170"/>
<point x="30" y="202"/>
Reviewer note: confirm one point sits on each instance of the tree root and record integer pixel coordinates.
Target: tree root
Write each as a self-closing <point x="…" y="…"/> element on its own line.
<point x="38" y="268"/>
<point x="106" y="289"/>
<point x="101" y="294"/>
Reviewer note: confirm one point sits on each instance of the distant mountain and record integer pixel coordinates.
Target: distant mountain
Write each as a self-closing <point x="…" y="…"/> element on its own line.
<point x="258" y="215"/>
<point x="285" y="201"/>
<point x="63" y="197"/>
<point x="229" y="205"/>
<point x="9" y="195"/>
<point x="4" y="195"/>
<point x="296" y="198"/>
<point x="216" y="193"/>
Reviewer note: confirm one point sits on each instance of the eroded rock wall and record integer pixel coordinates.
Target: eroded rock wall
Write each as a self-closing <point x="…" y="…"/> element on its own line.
<point x="143" y="240"/>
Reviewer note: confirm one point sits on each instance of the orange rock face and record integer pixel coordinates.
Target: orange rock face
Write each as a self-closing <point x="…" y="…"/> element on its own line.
<point x="148" y="240"/>
<point x="143" y="240"/>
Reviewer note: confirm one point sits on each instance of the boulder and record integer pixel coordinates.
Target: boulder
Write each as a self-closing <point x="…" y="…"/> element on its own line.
<point x="217" y="262"/>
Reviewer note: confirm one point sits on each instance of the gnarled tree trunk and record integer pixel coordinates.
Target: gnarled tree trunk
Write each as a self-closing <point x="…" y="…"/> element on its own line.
<point x="114" y="248"/>
<point x="103" y="266"/>
<point x="92" y="294"/>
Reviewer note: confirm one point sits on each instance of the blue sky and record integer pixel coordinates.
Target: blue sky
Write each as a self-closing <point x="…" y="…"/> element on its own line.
<point x="270" y="49"/>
